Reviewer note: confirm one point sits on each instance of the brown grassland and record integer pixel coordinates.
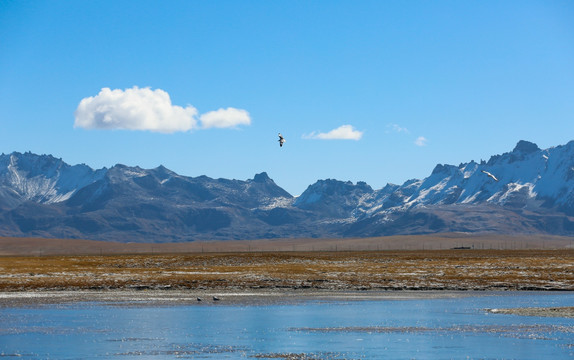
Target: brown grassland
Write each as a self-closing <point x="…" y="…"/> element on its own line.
<point x="101" y="266"/>
<point x="13" y="246"/>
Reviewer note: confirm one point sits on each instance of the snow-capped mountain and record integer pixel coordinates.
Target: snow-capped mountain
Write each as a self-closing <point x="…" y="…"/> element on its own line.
<point x="42" y="179"/>
<point x="333" y="198"/>
<point x="42" y="196"/>
<point x="526" y="177"/>
<point x="531" y="191"/>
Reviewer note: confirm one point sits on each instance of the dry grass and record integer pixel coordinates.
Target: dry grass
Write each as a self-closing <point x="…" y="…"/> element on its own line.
<point x="440" y="270"/>
<point x="11" y="246"/>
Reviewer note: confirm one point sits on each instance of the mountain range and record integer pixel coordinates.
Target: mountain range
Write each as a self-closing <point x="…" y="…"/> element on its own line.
<point x="42" y="196"/>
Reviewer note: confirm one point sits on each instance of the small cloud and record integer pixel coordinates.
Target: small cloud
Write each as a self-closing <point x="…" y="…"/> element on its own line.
<point x="225" y="118"/>
<point x="149" y="110"/>
<point x="421" y="141"/>
<point x="344" y="132"/>
<point x="397" y="128"/>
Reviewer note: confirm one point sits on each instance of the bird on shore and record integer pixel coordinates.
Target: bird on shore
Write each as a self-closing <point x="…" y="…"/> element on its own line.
<point x="281" y="140"/>
<point x="215" y="298"/>
<point x="490" y="175"/>
<point x="199" y="299"/>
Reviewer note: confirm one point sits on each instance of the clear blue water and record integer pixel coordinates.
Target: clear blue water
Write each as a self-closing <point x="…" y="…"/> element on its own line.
<point x="455" y="328"/>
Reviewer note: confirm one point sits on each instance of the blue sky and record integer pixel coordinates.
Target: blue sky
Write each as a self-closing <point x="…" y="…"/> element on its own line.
<point x="375" y="91"/>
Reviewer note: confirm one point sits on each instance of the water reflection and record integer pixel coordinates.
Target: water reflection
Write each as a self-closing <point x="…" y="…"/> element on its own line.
<point x="394" y="329"/>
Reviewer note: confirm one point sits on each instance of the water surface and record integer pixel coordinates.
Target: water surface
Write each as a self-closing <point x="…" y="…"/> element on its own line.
<point x="434" y="328"/>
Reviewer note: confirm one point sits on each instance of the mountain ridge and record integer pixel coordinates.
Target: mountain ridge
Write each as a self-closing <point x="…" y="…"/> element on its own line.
<point x="41" y="195"/>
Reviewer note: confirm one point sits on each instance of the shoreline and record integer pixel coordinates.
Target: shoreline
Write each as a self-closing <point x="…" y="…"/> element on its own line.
<point x="257" y="297"/>
<point x="270" y="278"/>
<point x="225" y="297"/>
<point x="563" y="312"/>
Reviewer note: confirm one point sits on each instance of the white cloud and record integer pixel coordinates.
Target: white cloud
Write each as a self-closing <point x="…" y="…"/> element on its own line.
<point x="151" y="110"/>
<point x="421" y="141"/>
<point x="134" y="109"/>
<point x="225" y="118"/>
<point x="398" y="129"/>
<point x="344" y="132"/>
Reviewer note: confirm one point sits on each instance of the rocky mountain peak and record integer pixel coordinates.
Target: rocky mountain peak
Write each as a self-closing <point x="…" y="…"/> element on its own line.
<point x="525" y="147"/>
<point x="444" y="169"/>
<point x="261" y="178"/>
<point x="525" y="190"/>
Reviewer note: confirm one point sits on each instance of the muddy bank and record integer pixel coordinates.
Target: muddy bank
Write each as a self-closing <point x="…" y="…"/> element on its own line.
<point x="133" y="298"/>
<point x="566" y="312"/>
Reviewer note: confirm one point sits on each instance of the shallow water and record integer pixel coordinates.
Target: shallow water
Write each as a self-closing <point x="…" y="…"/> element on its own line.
<point x="436" y="328"/>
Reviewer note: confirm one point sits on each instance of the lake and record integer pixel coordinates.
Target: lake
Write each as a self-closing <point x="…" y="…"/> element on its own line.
<point x="456" y="327"/>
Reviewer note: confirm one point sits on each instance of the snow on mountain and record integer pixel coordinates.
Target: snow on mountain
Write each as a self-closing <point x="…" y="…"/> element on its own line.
<point x="43" y="196"/>
<point x="527" y="177"/>
<point x="43" y="179"/>
<point x="534" y="192"/>
<point x="332" y="197"/>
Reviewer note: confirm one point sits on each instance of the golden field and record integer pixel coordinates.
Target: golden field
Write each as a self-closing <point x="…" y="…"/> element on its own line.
<point x="329" y="270"/>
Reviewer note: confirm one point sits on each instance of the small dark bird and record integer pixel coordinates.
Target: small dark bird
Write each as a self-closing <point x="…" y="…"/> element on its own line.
<point x="199" y="299"/>
<point x="490" y="175"/>
<point x="215" y="298"/>
<point x="281" y="140"/>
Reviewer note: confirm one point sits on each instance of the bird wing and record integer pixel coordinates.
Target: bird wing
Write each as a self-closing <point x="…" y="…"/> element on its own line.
<point x="489" y="174"/>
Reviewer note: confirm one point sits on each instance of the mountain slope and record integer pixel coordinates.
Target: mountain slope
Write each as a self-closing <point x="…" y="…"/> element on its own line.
<point x="534" y="193"/>
<point x="41" y="179"/>
<point x="133" y="204"/>
<point x="528" y="177"/>
<point x="43" y="196"/>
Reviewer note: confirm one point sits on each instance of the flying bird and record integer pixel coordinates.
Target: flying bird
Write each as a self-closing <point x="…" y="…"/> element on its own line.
<point x="490" y="175"/>
<point x="281" y="140"/>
